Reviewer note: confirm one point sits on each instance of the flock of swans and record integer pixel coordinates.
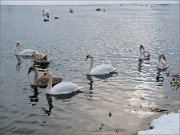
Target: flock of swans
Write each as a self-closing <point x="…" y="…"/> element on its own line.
<point x="56" y="86"/>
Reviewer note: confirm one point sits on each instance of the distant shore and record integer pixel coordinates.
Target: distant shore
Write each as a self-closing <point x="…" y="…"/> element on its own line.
<point x="84" y="2"/>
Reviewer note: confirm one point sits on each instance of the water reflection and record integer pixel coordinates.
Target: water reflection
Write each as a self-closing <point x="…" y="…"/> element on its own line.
<point x="50" y="105"/>
<point x="140" y="65"/>
<point x="62" y="97"/>
<point x="103" y="77"/>
<point x="141" y="61"/>
<point x="159" y="77"/>
<point x="18" y="64"/>
<point x="89" y="93"/>
<point x="34" y="97"/>
<point x="91" y="82"/>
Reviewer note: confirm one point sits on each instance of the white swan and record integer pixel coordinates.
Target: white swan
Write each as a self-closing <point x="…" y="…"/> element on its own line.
<point x="61" y="88"/>
<point x="46" y="12"/>
<point x="26" y="52"/>
<point x="44" y="79"/>
<point x="144" y="54"/>
<point x="162" y="63"/>
<point x="40" y="57"/>
<point x="102" y="69"/>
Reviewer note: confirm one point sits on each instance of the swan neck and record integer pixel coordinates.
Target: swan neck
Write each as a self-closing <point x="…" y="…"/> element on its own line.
<point x="91" y="64"/>
<point x="49" y="87"/>
<point x="17" y="50"/>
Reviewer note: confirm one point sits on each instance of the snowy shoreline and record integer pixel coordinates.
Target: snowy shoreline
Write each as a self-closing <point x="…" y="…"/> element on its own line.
<point x="166" y="124"/>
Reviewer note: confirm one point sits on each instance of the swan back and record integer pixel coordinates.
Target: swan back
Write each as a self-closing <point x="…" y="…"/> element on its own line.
<point x="63" y="88"/>
<point x="26" y="52"/>
<point x="102" y="69"/>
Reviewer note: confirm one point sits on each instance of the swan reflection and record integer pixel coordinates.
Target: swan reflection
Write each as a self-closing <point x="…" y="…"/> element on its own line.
<point x="34" y="97"/>
<point x="140" y="65"/>
<point x="57" y="97"/>
<point x="159" y="77"/>
<point x="50" y="105"/>
<point x="18" y="64"/>
<point x="102" y="77"/>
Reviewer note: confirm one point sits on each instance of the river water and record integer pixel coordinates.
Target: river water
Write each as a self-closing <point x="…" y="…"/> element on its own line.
<point x="106" y="106"/>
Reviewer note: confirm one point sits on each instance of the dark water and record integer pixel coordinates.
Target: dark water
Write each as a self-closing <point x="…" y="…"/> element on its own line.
<point x="112" y="37"/>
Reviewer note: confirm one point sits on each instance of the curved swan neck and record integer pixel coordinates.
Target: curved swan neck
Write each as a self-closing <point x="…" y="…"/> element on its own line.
<point x="91" y="64"/>
<point x="49" y="87"/>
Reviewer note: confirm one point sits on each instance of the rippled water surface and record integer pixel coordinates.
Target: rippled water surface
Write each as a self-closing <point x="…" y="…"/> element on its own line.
<point x="114" y="105"/>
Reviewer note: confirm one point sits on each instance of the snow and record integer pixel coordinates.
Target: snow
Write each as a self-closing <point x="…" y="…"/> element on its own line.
<point x="166" y="124"/>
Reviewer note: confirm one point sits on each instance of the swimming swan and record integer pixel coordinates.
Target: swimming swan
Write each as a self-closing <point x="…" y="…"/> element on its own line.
<point x="61" y="88"/>
<point x="43" y="80"/>
<point x="26" y="52"/>
<point x="144" y="54"/>
<point x="162" y="63"/>
<point x="102" y="69"/>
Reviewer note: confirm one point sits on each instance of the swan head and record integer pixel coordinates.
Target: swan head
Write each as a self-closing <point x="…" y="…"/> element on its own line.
<point x="18" y="44"/>
<point x="88" y="56"/>
<point x="162" y="57"/>
<point x="141" y="47"/>
<point x="31" y="69"/>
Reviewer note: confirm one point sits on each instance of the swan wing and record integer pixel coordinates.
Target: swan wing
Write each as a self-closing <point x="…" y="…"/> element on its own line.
<point x="102" y="69"/>
<point x="27" y="52"/>
<point x="161" y="65"/>
<point x="64" y="88"/>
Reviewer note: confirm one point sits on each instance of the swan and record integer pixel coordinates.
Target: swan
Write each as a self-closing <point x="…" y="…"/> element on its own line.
<point x="61" y="88"/>
<point x="162" y="63"/>
<point x="102" y="69"/>
<point x="43" y="80"/>
<point x="26" y="52"/>
<point x="46" y="12"/>
<point x="144" y="54"/>
<point x="40" y="57"/>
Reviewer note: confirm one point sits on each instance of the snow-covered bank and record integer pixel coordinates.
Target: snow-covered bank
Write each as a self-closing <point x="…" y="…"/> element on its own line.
<point x="166" y="124"/>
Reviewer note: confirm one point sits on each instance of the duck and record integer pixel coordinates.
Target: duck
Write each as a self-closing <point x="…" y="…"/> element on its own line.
<point x="25" y="53"/>
<point x="144" y="54"/>
<point x="71" y="11"/>
<point x="62" y="88"/>
<point x="162" y="63"/>
<point x="42" y="81"/>
<point x="103" y="69"/>
<point x="40" y="57"/>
